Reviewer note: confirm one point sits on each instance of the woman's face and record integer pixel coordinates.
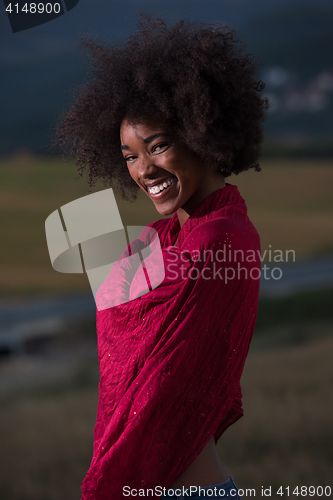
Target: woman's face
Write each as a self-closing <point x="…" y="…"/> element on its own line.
<point x="167" y="171"/>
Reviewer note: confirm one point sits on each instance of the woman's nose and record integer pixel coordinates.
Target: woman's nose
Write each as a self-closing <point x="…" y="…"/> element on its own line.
<point x="146" y="167"/>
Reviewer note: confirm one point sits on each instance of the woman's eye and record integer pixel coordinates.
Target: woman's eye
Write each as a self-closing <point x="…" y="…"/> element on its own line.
<point x="129" y="158"/>
<point x="159" y="147"/>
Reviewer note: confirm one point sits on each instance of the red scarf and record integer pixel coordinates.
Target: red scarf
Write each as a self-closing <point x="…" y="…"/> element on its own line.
<point x="171" y="360"/>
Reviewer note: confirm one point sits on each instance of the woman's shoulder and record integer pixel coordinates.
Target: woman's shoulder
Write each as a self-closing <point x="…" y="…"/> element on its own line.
<point x="223" y="230"/>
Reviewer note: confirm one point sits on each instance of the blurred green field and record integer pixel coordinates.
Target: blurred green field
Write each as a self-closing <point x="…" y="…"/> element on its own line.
<point x="285" y="438"/>
<point x="290" y="203"/>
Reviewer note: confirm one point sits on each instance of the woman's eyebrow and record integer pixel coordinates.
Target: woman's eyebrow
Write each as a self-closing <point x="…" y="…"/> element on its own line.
<point x="152" y="137"/>
<point x="148" y="139"/>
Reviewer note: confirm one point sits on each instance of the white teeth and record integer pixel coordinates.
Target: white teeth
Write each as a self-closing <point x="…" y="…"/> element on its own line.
<point x="164" y="185"/>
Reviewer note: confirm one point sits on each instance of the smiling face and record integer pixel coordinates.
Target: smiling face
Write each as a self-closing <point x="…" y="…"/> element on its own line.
<point x="167" y="171"/>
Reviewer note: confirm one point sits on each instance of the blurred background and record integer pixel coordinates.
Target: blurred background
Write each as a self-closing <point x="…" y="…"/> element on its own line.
<point x="48" y="355"/>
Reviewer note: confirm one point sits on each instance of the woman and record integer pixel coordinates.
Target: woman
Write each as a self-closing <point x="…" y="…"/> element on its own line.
<point x="173" y="112"/>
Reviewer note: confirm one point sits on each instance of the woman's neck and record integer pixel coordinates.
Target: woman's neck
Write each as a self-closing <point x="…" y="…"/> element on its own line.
<point x="185" y="211"/>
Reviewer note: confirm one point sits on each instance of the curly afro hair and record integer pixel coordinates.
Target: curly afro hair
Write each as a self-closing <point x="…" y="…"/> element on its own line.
<point x="199" y="80"/>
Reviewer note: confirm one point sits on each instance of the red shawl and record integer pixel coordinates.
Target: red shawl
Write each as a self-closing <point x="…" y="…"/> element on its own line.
<point x="171" y="360"/>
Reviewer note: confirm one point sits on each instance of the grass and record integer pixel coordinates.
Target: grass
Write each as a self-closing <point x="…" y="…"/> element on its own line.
<point x="286" y="435"/>
<point x="290" y="203"/>
<point x="284" y="439"/>
<point x="47" y="446"/>
<point x="309" y="306"/>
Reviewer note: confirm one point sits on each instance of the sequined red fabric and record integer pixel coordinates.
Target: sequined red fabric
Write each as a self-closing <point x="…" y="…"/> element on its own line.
<point x="171" y="360"/>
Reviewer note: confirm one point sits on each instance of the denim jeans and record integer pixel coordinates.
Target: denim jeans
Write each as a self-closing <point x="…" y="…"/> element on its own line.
<point x="227" y="489"/>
